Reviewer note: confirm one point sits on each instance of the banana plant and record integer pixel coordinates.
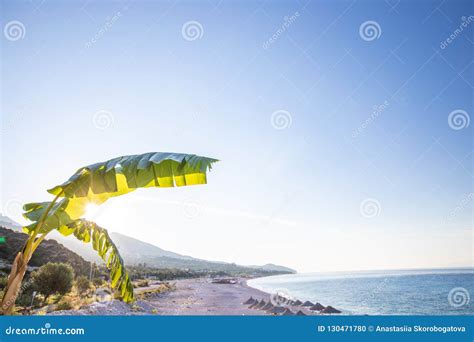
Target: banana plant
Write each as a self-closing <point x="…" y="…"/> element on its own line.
<point x="95" y="184"/>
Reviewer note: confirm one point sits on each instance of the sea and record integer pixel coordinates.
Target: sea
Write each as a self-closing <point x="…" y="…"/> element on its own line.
<point x="393" y="292"/>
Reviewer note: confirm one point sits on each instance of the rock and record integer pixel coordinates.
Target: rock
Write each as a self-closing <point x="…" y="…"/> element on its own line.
<point x="267" y="307"/>
<point x="278" y="310"/>
<point x="248" y="301"/>
<point x="252" y="306"/>
<point x="317" y="307"/>
<point x="330" y="310"/>
<point x="307" y="303"/>
<point x="103" y="295"/>
<point x="298" y="302"/>
<point x="287" y="312"/>
<point x="300" y="313"/>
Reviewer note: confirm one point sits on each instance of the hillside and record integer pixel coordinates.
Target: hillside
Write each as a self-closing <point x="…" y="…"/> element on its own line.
<point x="7" y="222"/>
<point x="135" y="252"/>
<point x="275" y="268"/>
<point x="48" y="250"/>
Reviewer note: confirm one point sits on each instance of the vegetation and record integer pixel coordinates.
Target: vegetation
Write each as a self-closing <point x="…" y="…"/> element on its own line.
<point x="53" y="278"/>
<point x="218" y="270"/>
<point x="83" y="285"/>
<point x="141" y="283"/>
<point x="95" y="184"/>
<point x="49" y="250"/>
<point x="64" y="305"/>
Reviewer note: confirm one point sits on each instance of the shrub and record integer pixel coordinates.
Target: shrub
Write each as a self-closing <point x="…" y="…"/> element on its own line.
<point x="98" y="282"/>
<point x="63" y="305"/>
<point x="53" y="278"/>
<point x="83" y="285"/>
<point x="3" y="282"/>
<point x="142" y="283"/>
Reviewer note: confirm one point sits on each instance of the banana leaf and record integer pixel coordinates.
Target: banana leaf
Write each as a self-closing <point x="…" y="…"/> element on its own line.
<point x="88" y="231"/>
<point x="98" y="182"/>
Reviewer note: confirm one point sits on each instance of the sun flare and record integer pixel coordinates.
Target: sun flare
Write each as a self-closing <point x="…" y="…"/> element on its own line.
<point x="92" y="212"/>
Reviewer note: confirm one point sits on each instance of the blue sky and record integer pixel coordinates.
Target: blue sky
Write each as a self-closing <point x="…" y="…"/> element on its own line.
<point x="299" y="195"/>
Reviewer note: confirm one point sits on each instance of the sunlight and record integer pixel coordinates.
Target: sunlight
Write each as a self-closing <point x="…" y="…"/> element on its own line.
<point x="93" y="211"/>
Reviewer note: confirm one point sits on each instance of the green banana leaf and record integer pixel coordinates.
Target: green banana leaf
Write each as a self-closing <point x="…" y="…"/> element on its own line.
<point x="98" y="182"/>
<point x="87" y="231"/>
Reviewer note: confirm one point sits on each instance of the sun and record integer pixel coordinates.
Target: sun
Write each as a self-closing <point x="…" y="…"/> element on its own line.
<point x="92" y="212"/>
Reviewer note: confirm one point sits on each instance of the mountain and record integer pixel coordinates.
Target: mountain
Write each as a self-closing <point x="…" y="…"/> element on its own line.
<point x="48" y="250"/>
<point x="274" y="268"/>
<point x="135" y="252"/>
<point x="5" y="221"/>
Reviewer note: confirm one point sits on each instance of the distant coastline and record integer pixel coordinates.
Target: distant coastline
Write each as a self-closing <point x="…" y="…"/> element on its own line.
<point x="437" y="291"/>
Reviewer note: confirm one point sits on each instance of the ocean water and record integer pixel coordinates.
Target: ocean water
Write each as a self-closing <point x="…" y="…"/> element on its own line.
<point x="404" y="292"/>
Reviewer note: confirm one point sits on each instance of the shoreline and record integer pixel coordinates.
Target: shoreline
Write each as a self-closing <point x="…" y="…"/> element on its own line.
<point x="190" y="297"/>
<point x="198" y="297"/>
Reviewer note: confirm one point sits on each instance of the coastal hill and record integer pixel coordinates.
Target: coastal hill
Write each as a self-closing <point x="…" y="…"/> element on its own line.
<point x="48" y="250"/>
<point x="137" y="252"/>
<point x="5" y="221"/>
<point x="274" y="268"/>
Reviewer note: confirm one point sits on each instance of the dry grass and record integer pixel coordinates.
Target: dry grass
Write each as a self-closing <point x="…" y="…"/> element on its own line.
<point x="161" y="288"/>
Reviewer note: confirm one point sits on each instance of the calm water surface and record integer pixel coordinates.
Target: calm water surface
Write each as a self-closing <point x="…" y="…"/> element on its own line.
<point x="410" y="292"/>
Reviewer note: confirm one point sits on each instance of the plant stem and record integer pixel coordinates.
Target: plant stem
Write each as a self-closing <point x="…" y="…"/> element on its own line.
<point x="18" y="270"/>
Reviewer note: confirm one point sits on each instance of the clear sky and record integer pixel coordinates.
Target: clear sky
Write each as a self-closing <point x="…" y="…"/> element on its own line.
<point x="332" y="121"/>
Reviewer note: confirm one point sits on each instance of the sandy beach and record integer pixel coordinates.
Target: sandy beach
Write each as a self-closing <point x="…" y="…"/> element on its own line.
<point x="190" y="297"/>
